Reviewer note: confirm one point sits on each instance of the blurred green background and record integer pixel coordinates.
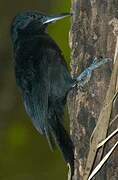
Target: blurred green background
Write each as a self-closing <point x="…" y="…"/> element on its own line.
<point x="24" y="154"/>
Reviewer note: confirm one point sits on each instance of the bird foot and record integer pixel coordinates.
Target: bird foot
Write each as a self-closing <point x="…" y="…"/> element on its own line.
<point x="85" y="76"/>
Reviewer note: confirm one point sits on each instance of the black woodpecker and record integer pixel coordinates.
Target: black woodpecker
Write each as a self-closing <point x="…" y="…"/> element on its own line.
<point x="43" y="77"/>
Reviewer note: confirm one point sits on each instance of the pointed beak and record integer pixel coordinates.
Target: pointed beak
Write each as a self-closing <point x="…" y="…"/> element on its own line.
<point x="53" y="19"/>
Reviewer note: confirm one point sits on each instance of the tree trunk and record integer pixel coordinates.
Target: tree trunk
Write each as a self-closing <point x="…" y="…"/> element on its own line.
<point x="91" y="35"/>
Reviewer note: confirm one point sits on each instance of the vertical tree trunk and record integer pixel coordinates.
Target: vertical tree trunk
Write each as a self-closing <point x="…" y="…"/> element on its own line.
<point x="91" y="35"/>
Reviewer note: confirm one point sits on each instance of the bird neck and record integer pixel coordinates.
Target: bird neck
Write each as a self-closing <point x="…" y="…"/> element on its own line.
<point x="28" y="37"/>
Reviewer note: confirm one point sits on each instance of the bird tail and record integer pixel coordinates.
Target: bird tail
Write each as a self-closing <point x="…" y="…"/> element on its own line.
<point x="64" y="142"/>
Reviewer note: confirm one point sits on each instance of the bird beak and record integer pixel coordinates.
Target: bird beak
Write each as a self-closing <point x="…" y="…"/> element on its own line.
<point x="53" y="19"/>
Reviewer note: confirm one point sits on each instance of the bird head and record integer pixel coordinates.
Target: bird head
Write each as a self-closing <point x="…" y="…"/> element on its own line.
<point x="32" y="22"/>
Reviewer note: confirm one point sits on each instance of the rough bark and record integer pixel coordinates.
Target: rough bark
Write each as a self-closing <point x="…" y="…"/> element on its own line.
<point x="91" y="35"/>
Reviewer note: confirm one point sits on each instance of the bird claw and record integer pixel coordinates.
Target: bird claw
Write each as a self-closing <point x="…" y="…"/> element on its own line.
<point x="95" y="60"/>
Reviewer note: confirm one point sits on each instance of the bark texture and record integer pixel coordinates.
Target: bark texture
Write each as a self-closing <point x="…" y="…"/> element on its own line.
<point x="91" y="35"/>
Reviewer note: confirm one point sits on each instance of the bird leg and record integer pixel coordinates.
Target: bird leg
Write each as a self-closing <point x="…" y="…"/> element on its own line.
<point x="85" y="76"/>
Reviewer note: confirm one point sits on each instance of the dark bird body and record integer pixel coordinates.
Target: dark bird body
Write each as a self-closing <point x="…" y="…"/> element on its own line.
<point x="43" y="78"/>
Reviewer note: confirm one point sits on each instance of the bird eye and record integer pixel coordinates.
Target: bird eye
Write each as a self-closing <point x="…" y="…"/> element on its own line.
<point x="33" y="16"/>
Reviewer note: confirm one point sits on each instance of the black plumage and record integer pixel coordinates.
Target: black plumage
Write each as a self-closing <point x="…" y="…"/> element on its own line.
<point x="43" y="77"/>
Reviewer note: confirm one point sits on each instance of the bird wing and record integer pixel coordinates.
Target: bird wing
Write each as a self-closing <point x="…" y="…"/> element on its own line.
<point x="36" y="101"/>
<point x="36" y="104"/>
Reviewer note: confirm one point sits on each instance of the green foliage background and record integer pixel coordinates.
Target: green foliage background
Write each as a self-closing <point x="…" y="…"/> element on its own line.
<point x="24" y="154"/>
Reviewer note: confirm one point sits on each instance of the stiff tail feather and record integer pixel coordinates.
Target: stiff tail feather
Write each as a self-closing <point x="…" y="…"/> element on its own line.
<point x="64" y="142"/>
